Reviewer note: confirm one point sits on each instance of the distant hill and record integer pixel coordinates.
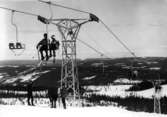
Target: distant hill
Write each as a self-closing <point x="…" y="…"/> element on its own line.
<point x="58" y="61"/>
<point x="29" y="62"/>
<point x="24" y="62"/>
<point x="103" y="71"/>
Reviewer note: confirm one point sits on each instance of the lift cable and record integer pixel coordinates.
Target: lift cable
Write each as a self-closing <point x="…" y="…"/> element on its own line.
<point x="101" y="54"/>
<point x="58" y="5"/>
<point x="66" y="7"/>
<point x="81" y="11"/>
<point x="108" y="29"/>
<point x="97" y="44"/>
<point x="118" y="39"/>
<point x="27" y="13"/>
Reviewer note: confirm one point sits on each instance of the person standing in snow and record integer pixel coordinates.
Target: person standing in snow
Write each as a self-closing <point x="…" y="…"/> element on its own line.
<point x="30" y="94"/>
<point x="63" y="92"/>
<point x="53" y="95"/>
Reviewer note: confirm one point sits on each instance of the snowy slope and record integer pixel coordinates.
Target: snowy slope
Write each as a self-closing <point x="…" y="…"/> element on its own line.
<point x="27" y="111"/>
<point x="149" y="92"/>
<point x="111" y="90"/>
<point x="89" y="78"/>
<point x="21" y="78"/>
<point x="126" y="81"/>
<point x="120" y="90"/>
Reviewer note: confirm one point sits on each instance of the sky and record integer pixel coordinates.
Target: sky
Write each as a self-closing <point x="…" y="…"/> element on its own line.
<point x="140" y="24"/>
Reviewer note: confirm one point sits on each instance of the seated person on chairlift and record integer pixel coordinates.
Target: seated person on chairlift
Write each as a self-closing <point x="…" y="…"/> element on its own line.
<point x="18" y="45"/>
<point x="42" y="46"/>
<point x="54" y="45"/>
<point x="11" y="46"/>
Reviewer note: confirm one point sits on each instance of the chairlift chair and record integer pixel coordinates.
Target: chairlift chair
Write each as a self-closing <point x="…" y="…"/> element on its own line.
<point x="16" y="47"/>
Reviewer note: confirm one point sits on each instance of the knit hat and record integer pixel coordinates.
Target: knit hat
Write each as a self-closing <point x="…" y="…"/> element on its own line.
<point x="53" y="36"/>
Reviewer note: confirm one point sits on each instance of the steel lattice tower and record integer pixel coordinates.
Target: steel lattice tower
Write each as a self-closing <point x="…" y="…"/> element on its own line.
<point x="69" y="29"/>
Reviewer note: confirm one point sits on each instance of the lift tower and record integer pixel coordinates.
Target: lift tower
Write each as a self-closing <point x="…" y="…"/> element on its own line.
<point x="69" y="29"/>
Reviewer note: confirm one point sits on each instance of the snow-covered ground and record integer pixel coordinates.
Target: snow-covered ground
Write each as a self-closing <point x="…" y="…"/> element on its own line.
<point x="42" y="102"/>
<point x="149" y="92"/>
<point x="120" y="90"/>
<point x="28" y="111"/>
<point x="1" y="76"/>
<point x="89" y="78"/>
<point x="110" y="90"/>
<point x="21" y="78"/>
<point x="19" y="106"/>
<point x="126" y="81"/>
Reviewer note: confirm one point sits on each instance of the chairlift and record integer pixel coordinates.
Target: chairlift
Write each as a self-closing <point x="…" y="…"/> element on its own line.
<point x="50" y="46"/>
<point x="16" y="47"/>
